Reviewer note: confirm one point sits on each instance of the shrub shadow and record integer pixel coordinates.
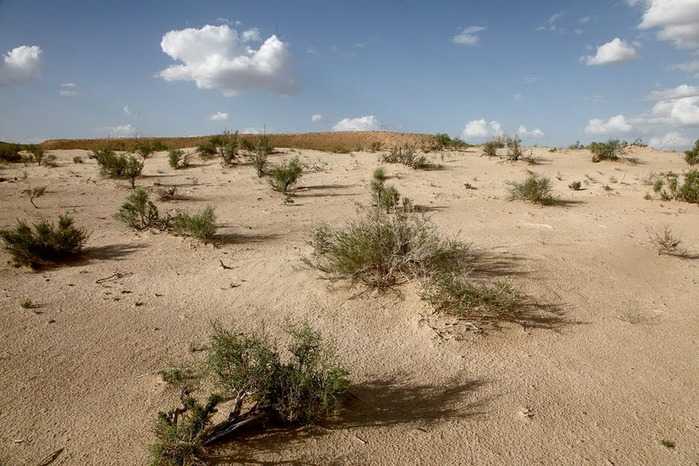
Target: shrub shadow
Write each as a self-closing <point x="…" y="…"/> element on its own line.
<point x="111" y="252"/>
<point x="238" y="238"/>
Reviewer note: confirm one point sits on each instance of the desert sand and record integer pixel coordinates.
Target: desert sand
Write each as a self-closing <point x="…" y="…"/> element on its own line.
<point x="605" y="383"/>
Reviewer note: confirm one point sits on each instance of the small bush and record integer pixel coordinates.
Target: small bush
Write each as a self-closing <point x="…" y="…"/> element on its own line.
<point x="536" y="189"/>
<point x="139" y="212"/>
<point x="668" y="186"/>
<point x="10" y="152"/>
<point x="666" y="242"/>
<point x="201" y="225"/>
<point x="490" y="148"/>
<point x="514" y="146"/>
<point x="286" y="175"/>
<point x="406" y="155"/>
<point x="229" y="147"/>
<point x="77" y="159"/>
<point x="264" y="387"/>
<point x="207" y="150"/>
<point x="375" y="146"/>
<point x="45" y="243"/>
<point x="692" y="156"/>
<point x="168" y="193"/>
<point x="178" y="159"/>
<point x="37" y="153"/>
<point x="118" y="166"/>
<point x="34" y="193"/>
<point x="145" y="150"/>
<point x="384" y="197"/>
<point x="575" y="186"/>
<point x="456" y="295"/>
<point x="610" y="150"/>
<point x="380" y="250"/>
<point x="260" y="155"/>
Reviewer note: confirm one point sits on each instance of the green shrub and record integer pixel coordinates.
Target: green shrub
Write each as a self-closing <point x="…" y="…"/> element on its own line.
<point x="380" y="250"/>
<point x="454" y="294"/>
<point x="229" y="147"/>
<point x="260" y="154"/>
<point x="46" y="243"/>
<point x="692" y="156"/>
<point x="178" y="159"/>
<point x="145" y="149"/>
<point x="10" y="152"/>
<point x="201" y="225"/>
<point x="37" y="153"/>
<point x="490" y="148"/>
<point x="407" y="155"/>
<point x="264" y="145"/>
<point x="384" y="197"/>
<point x="610" y="150"/>
<point x="118" y="166"/>
<point x="285" y="176"/>
<point x="514" y="146"/>
<point x="207" y="150"/>
<point x="139" y="212"/>
<point x="444" y="141"/>
<point x="687" y="190"/>
<point x="264" y="387"/>
<point x="535" y="188"/>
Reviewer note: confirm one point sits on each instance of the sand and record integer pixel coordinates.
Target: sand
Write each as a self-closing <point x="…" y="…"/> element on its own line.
<point x="605" y="386"/>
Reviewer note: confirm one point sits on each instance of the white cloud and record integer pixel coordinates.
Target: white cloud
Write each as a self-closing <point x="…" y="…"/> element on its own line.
<point x="679" y="112"/>
<point x="20" y="64"/>
<point x="672" y="140"/>
<point x="678" y="92"/>
<point x="614" y="51"/>
<point x="316" y="118"/>
<point x="365" y="123"/>
<point x="468" y="36"/>
<point x="677" y="20"/>
<point x="126" y="110"/>
<point x="121" y="131"/>
<point x="252" y="35"/>
<point x="219" y="116"/>
<point x="535" y="133"/>
<point x="216" y="57"/>
<point x="481" y="129"/>
<point x="68" y="90"/>
<point x="689" y="67"/>
<point x="614" y="125"/>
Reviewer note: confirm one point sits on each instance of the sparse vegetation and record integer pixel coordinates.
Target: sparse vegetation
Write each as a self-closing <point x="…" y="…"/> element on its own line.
<point x="536" y="189"/>
<point x="384" y="197"/>
<point x="34" y="193"/>
<point x="381" y="251"/>
<point x="666" y="242"/>
<point x="260" y="154"/>
<point x="201" y="225"/>
<point x="669" y="186"/>
<point x="77" y="159"/>
<point x="490" y="148"/>
<point x="265" y="389"/>
<point x="692" y="156"/>
<point x="178" y="159"/>
<point x="124" y="166"/>
<point x="140" y="213"/>
<point x="145" y="149"/>
<point x="284" y="176"/>
<point x="37" y="153"/>
<point x="407" y="155"/>
<point x="10" y="152"/>
<point x="575" y="186"/>
<point x="45" y="243"/>
<point x="610" y="150"/>
<point x="514" y="148"/>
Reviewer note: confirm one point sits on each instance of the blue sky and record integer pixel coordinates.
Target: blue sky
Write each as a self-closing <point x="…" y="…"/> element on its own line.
<point x="473" y="69"/>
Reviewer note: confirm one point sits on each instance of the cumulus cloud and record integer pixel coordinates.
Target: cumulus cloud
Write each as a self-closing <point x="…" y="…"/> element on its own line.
<point x="219" y="116"/>
<point x="468" y="36"/>
<point x="68" y="90"/>
<point x="677" y="21"/>
<point x="525" y="133"/>
<point x="672" y="140"/>
<point x="678" y="92"/>
<point x="678" y="106"/>
<point x="614" y="51"/>
<point x="121" y="131"/>
<point x="614" y="125"/>
<point x="217" y="57"/>
<point x="365" y="123"/>
<point x="21" y="64"/>
<point x="316" y="118"/>
<point x="689" y="67"/>
<point x="480" y="129"/>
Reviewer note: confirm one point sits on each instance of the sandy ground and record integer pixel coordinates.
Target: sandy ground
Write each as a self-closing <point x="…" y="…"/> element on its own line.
<point x="605" y="386"/>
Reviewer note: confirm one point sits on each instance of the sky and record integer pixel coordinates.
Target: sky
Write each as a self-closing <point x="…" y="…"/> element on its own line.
<point x="553" y="72"/>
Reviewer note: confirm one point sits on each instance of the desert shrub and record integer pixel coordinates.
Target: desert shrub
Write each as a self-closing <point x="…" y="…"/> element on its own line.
<point x="514" y="146"/>
<point x="283" y="177"/>
<point x="454" y="294"/>
<point x="77" y="159"/>
<point x="10" y="152"/>
<point x="123" y="166"/>
<point x="669" y="186"/>
<point x="139" y="212"/>
<point x="692" y="156"/>
<point x="407" y="155"/>
<point x="34" y="193"/>
<point x="247" y="144"/>
<point x="444" y="141"/>
<point x="260" y="155"/>
<point x="380" y="250"/>
<point x="264" y="144"/>
<point x="207" y="150"/>
<point x="375" y="146"/>
<point x="178" y="159"/>
<point x="37" y="153"/>
<point x="666" y="242"/>
<point x="384" y="197"/>
<point x="145" y="149"/>
<point x="264" y="387"/>
<point x="201" y="225"/>
<point x="575" y="186"/>
<point x="610" y="150"/>
<point x="45" y="243"/>
<point x="168" y="193"/>
<point x="534" y="188"/>
<point x="490" y="148"/>
<point x="229" y="147"/>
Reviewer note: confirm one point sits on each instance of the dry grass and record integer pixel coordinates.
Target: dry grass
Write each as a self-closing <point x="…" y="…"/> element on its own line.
<point x="328" y="142"/>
